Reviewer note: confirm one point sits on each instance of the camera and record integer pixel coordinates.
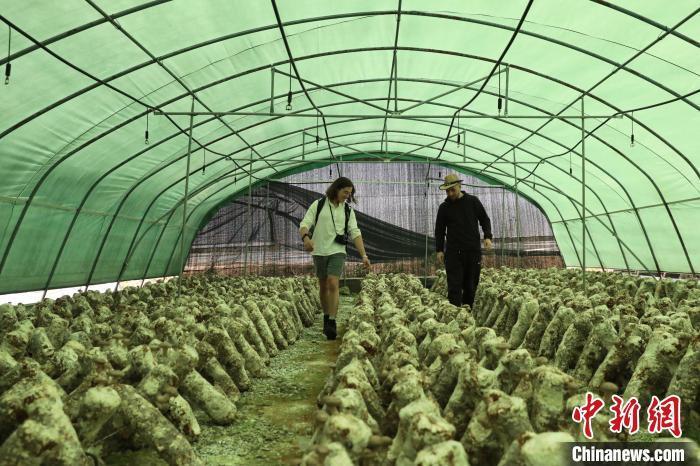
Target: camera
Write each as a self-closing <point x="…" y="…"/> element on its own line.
<point x="341" y="239"/>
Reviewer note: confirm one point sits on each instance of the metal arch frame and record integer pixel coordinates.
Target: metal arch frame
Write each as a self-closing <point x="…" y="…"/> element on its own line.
<point x="154" y="3"/>
<point x="227" y="174"/>
<point x="65" y="157"/>
<point x="497" y="65"/>
<point x="644" y="19"/>
<point x="333" y="85"/>
<point x="84" y="27"/>
<point x="692" y="167"/>
<point x="450" y="17"/>
<point x="341" y="16"/>
<point x="165" y="68"/>
<point x="461" y="166"/>
<point x="371" y="142"/>
<point x="228" y="198"/>
<point x="598" y="83"/>
<point x="114" y="218"/>
<point x="451" y="53"/>
<point x="599" y="99"/>
<point x="282" y="150"/>
<point x="505" y="174"/>
<point x="377" y="13"/>
<point x="314" y="56"/>
<point x="614" y="71"/>
<point x="629" y="197"/>
<point x="322" y="162"/>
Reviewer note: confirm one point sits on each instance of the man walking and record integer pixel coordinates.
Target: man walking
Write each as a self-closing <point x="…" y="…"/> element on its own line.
<point x="458" y="216"/>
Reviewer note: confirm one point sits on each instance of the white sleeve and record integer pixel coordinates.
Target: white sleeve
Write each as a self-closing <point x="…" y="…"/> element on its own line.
<point x="353" y="230"/>
<point x="310" y="218"/>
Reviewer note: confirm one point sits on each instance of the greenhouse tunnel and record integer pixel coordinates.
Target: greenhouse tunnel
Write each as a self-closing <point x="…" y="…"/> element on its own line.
<point x="118" y="116"/>
<point x="175" y="288"/>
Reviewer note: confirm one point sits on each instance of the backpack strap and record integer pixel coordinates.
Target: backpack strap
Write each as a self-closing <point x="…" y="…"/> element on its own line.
<point x="347" y="218"/>
<point x="319" y="206"/>
<point x="321" y="203"/>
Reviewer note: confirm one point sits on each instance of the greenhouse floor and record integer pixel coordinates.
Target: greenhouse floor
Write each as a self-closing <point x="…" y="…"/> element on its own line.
<point x="275" y="417"/>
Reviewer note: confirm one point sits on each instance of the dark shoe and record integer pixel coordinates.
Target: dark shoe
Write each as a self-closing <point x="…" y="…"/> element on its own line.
<point x="332" y="331"/>
<point x="326" y="324"/>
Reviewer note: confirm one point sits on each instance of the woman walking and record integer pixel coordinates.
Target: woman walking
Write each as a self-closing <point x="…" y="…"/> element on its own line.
<point x="325" y="230"/>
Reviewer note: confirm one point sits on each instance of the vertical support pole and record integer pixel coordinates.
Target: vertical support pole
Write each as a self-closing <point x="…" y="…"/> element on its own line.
<point x="517" y="209"/>
<point x="396" y="85"/>
<point x="184" y="204"/>
<point x="503" y="223"/>
<point x="303" y="145"/>
<point x="464" y="145"/>
<point x="583" y="196"/>
<point x="267" y="218"/>
<point x="249" y="221"/>
<point x="505" y="109"/>
<point x="272" y="89"/>
<point x="427" y="227"/>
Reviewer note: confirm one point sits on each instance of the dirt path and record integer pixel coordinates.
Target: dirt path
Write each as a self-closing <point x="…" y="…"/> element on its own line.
<point x="275" y="417"/>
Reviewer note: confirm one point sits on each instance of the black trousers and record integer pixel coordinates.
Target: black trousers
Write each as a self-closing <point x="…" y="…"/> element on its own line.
<point x="463" y="269"/>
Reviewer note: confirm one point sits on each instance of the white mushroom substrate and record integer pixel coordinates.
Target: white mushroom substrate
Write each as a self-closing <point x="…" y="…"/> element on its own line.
<point x="419" y="381"/>
<point x="86" y="375"/>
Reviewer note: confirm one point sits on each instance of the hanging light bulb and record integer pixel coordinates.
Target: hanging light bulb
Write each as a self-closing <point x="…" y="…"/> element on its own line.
<point x="8" y="70"/>
<point x="458" y="139"/>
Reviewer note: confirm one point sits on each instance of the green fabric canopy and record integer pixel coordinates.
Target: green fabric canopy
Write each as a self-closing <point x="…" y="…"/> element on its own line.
<point x="84" y="198"/>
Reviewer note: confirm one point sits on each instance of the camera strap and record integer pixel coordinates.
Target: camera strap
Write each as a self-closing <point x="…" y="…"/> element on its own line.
<point x="319" y="207"/>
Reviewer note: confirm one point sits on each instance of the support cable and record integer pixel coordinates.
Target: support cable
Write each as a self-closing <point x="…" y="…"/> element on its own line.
<point x="298" y="76"/>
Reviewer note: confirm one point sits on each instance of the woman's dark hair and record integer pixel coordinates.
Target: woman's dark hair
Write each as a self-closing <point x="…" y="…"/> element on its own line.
<point x="337" y="185"/>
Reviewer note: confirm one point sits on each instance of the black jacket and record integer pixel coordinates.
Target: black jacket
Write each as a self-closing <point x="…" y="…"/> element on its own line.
<point x="460" y="218"/>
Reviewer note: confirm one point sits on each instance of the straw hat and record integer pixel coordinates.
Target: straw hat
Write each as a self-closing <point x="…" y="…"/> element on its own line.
<point x="450" y="180"/>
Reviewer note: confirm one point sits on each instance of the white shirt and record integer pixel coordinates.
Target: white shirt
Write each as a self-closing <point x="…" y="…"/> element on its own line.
<point x="324" y="232"/>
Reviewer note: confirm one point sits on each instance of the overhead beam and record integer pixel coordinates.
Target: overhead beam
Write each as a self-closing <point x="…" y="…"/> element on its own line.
<point x="393" y="115"/>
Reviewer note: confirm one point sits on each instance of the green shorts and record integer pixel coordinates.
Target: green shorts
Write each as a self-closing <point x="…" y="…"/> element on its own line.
<point x="329" y="265"/>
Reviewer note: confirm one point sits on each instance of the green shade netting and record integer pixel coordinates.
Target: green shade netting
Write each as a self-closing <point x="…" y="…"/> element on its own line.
<point x="83" y="199"/>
